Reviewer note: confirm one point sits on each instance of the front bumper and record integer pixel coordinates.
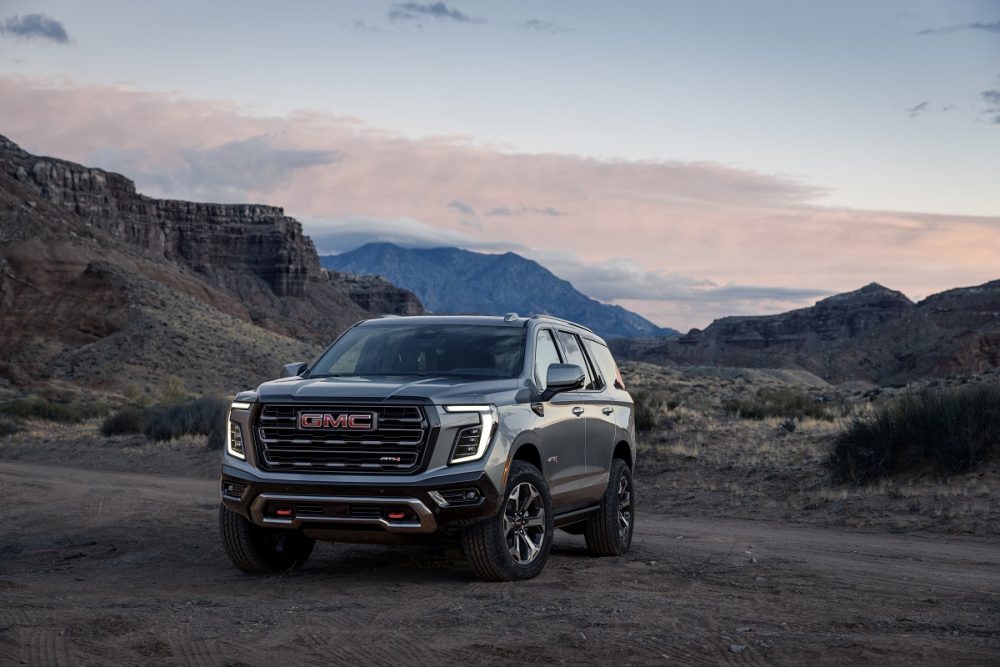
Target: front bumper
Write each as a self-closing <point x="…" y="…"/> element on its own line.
<point x="402" y="508"/>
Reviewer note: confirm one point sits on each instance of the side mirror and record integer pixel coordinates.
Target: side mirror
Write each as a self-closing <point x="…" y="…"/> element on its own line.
<point x="560" y="378"/>
<point x="294" y="369"/>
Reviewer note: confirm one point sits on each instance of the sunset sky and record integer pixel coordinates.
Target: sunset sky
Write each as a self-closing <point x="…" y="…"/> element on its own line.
<point x="687" y="160"/>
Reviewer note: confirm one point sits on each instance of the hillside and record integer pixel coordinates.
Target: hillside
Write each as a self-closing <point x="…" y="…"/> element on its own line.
<point x="104" y="287"/>
<point x="451" y="280"/>
<point x="873" y="334"/>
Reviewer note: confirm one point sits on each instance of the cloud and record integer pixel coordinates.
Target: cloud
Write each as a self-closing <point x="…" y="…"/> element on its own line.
<point x="35" y="26"/>
<point x="717" y="240"/>
<point x="461" y="207"/>
<point x="915" y="111"/>
<point x="415" y="11"/>
<point x="992" y="98"/>
<point x="361" y="26"/>
<point x="542" y="26"/>
<point x="507" y="211"/>
<point x="230" y="171"/>
<point x="335" y="236"/>
<point x="977" y="25"/>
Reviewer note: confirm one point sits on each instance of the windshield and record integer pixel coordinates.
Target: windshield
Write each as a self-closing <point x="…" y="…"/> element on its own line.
<point x="448" y="349"/>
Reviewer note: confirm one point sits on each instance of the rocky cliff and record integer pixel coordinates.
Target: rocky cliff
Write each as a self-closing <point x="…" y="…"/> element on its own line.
<point x="874" y="334"/>
<point x="86" y="261"/>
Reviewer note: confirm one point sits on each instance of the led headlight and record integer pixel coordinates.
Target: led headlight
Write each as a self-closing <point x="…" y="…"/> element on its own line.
<point x="240" y="405"/>
<point x="471" y="441"/>
<point x="234" y="440"/>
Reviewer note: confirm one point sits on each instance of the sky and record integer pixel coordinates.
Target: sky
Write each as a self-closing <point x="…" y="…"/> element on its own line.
<point x="687" y="160"/>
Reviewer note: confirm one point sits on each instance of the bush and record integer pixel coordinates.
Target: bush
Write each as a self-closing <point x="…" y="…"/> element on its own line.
<point x="786" y="403"/>
<point x="648" y="408"/>
<point x="201" y="416"/>
<point x="946" y="431"/>
<point x="9" y="426"/>
<point x="36" y="407"/>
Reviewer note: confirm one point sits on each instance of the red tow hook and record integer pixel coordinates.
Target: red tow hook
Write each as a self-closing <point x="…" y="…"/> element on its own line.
<point x="284" y="511"/>
<point x="396" y="515"/>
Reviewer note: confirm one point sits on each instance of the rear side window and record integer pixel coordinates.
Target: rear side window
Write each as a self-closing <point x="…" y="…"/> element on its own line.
<point x="546" y="353"/>
<point x="602" y="356"/>
<point x="574" y="355"/>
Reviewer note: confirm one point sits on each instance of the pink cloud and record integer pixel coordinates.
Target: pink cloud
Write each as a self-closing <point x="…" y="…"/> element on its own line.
<point x="618" y="229"/>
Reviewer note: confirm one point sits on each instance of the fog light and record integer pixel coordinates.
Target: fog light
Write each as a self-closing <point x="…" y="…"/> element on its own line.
<point x="233" y="489"/>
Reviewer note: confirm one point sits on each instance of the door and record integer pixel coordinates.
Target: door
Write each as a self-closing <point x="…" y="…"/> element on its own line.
<point x="563" y="432"/>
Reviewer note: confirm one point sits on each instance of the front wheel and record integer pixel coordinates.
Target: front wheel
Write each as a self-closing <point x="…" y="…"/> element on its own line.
<point x="515" y="543"/>
<point x="258" y="550"/>
<point x="609" y="531"/>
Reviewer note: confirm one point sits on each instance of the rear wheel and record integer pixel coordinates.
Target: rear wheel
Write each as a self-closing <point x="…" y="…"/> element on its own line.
<point x="609" y="530"/>
<point x="515" y="543"/>
<point x="258" y="550"/>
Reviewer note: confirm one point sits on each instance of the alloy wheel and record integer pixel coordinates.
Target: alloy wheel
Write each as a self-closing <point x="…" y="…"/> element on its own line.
<point x="624" y="507"/>
<point x="524" y="523"/>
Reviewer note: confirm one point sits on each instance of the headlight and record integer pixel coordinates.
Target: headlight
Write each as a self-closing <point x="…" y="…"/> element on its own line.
<point x="240" y="405"/>
<point x="234" y="440"/>
<point x="471" y="441"/>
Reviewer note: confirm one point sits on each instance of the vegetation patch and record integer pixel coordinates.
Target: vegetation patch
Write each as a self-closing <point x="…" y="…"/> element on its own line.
<point x="945" y="431"/>
<point x="201" y="416"/>
<point x="9" y="426"/>
<point x="779" y="402"/>
<point x="649" y="407"/>
<point x="36" y="407"/>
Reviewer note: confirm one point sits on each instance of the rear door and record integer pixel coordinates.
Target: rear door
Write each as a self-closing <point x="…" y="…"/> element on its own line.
<point x="593" y="400"/>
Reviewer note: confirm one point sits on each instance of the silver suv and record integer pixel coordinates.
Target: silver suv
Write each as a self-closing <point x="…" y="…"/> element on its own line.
<point x="491" y="430"/>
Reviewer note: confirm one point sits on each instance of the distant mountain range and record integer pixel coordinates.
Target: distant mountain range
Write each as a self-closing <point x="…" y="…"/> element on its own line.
<point x="873" y="333"/>
<point x="451" y="280"/>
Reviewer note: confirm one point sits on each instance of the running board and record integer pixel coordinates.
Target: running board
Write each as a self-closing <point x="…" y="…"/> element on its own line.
<point x="574" y="516"/>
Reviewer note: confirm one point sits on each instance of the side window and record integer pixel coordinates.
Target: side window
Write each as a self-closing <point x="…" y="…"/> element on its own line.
<point x="602" y="355"/>
<point x="574" y="355"/>
<point x="545" y="353"/>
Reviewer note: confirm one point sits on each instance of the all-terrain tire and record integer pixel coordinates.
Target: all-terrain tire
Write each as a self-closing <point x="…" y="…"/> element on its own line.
<point x="609" y="530"/>
<point x="487" y="543"/>
<point x="258" y="550"/>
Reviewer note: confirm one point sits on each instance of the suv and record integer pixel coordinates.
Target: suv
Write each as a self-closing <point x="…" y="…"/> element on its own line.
<point x="492" y="430"/>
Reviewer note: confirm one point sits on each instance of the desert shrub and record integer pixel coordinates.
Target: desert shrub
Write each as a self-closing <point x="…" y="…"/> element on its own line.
<point x="201" y="416"/>
<point x="648" y="408"/>
<point x="36" y="407"/>
<point x="946" y="431"/>
<point x="785" y="403"/>
<point x="9" y="426"/>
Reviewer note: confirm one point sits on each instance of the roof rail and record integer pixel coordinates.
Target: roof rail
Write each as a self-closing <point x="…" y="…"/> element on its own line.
<point x="389" y="316"/>
<point x="560" y="319"/>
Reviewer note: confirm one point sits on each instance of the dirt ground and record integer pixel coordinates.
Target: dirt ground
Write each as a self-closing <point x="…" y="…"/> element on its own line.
<point x="744" y="553"/>
<point x="102" y="568"/>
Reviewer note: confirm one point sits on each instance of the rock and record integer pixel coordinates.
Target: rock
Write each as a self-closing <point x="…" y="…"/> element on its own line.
<point x="737" y="648"/>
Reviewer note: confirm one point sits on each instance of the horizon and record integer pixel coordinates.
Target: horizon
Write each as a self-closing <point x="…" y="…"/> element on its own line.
<point x="670" y="159"/>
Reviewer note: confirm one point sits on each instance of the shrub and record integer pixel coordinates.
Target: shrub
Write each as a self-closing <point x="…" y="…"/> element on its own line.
<point x="946" y="431"/>
<point x="201" y="416"/>
<point x="36" y="407"/>
<point x="9" y="426"/>
<point x="648" y="407"/>
<point x="786" y="403"/>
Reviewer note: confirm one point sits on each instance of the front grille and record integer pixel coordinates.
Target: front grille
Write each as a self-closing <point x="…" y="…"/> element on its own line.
<point x="396" y="445"/>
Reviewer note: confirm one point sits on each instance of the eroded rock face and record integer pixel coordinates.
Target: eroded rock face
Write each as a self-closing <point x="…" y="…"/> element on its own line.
<point x="208" y="238"/>
<point x="375" y="293"/>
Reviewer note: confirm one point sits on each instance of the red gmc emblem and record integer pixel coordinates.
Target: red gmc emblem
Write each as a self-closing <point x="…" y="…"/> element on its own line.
<point x="356" y="421"/>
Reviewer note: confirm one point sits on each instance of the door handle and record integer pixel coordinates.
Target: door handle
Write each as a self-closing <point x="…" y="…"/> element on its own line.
<point x="578" y="411"/>
<point x="608" y="410"/>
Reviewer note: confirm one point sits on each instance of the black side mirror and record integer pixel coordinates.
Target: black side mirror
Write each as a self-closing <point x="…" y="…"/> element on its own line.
<point x="560" y="378"/>
<point x="294" y="369"/>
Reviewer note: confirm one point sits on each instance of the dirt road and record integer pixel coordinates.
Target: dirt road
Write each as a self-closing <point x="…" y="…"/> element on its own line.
<point x="120" y="568"/>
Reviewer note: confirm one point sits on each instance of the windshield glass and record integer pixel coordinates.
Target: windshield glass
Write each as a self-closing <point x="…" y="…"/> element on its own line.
<point x="420" y="349"/>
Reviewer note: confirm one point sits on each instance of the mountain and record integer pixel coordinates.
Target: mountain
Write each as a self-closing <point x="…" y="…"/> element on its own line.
<point x="451" y="280"/>
<point x="104" y="287"/>
<point x="874" y="334"/>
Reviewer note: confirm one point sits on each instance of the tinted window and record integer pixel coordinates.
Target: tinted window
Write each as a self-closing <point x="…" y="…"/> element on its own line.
<point x="602" y="356"/>
<point x="574" y="355"/>
<point x="426" y="349"/>
<point x="545" y="353"/>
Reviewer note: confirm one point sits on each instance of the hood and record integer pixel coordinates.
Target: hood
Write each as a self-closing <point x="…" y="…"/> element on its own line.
<point x="380" y="388"/>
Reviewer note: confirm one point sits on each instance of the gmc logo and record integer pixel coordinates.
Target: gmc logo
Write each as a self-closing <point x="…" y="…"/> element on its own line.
<point x="358" y="421"/>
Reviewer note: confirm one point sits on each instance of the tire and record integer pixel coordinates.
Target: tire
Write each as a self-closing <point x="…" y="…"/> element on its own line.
<point x="515" y="543"/>
<point x="257" y="550"/>
<point x="609" y="530"/>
